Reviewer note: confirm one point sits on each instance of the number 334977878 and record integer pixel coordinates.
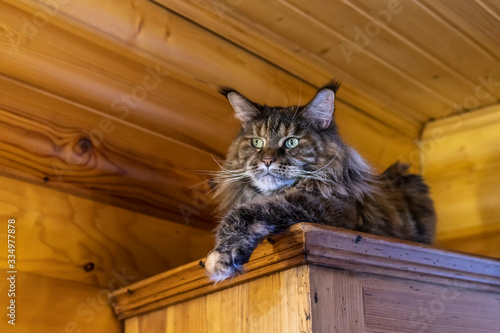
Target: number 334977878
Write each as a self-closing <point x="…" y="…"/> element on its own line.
<point x="11" y="231"/>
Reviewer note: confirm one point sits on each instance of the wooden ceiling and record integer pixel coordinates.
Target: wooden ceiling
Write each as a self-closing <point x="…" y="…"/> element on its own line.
<point x="117" y="100"/>
<point x="413" y="60"/>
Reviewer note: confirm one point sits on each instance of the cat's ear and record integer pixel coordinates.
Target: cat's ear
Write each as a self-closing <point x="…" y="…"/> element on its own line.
<point x="244" y="109"/>
<point x="319" y="111"/>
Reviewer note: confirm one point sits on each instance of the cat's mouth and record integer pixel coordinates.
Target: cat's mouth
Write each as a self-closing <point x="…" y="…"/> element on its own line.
<point x="269" y="182"/>
<point x="269" y="174"/>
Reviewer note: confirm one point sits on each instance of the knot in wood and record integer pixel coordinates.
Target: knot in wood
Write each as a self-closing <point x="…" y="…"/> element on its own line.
<point x="88" y="267"/>
<point x="84" y="146"/>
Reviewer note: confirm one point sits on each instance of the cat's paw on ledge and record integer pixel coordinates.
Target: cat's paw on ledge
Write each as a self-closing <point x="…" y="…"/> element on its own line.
<point x="220" y="266"/>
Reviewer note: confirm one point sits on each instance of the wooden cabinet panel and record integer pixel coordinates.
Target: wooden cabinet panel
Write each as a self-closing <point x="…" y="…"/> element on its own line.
<point x="335" y="284"/>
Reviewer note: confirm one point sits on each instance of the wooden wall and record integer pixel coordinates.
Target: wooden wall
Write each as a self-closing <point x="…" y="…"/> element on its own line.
<point x="461" y="162"/>
<point x="71" y="251"/>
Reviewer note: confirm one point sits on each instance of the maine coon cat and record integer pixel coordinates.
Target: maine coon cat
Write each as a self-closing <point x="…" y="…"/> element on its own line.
<point x="289" y="165"/>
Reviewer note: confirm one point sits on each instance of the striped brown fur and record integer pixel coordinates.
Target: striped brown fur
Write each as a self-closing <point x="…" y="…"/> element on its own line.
<point x="262" y="190"/>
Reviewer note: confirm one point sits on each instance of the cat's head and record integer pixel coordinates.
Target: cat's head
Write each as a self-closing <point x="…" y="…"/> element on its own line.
<point x="278" y="146"/>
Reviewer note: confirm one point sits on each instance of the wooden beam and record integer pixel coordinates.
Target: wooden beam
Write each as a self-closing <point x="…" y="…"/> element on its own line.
<point x="51" y="141"/>
<point x="119" y="81"/>
<point x="462" y="122"/>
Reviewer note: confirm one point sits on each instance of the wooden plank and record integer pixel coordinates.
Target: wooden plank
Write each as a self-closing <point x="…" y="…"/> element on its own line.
<point x="336" y="301"/>
<point x="120" y="163"/>
<point x="484" y="242"/>
<point x="398" y="305"/>
<point x="461" y="157"/>
<point x="146" y="42"/>
<point x="46" y="304"/>
<point x="320" y="245"/>
<point x="380" y="145"/>
<point x="137" y="32"/>
<point x="189" y="281"/>
<point x="403" y="65"/>
<point x="270" y="29"/>
<point x="472" y="22"/>
<point x="436" y="130"/>
<point x="394" y="257"/>
<point x="457" y="59"/>
<point x="107" y="76"/>
<point x="467" y="203"/>
<point x="275" y="303"/>
<point x="227" y="20"/>
<point x="74" y="239"/>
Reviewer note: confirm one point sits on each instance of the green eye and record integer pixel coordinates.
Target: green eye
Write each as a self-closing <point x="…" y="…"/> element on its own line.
<point x="291" y="143"/>
<point x="257" y="143"/>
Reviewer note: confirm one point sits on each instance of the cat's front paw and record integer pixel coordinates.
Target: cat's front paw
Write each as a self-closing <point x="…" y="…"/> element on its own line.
<point x="221" y="266"/>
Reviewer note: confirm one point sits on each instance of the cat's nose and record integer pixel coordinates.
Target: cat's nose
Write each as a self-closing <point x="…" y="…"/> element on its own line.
<point x="268" y="160"/>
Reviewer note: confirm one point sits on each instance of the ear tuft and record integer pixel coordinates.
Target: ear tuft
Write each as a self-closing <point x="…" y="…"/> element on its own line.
<point x="319" y="111"/>
<point x="244" y="109"/>
<point x="333" y="85"/>
<point x="225" y="90"/>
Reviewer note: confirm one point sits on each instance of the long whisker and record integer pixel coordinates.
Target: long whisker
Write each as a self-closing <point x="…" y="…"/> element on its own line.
<point x="221" y="172"/>
<point x="220" y="166"/>
<point x="298" y="104"/>
<point x="333" y="159"/>
<point x="321" y="179"/>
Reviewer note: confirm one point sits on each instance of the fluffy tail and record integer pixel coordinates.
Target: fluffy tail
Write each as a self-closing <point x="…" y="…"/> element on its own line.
<point x="416" y="194"/>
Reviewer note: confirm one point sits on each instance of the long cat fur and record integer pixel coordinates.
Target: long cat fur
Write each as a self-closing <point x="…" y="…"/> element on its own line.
<point x="321" y="180"/>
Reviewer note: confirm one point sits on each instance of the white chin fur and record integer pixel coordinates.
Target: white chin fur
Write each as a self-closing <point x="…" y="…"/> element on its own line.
<point x="270" y="183"/>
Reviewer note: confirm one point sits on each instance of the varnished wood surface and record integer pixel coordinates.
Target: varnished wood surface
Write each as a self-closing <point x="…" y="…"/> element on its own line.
<point x="391" y="54"/>
<point x="461" y="158"/>
<point x="85" y="242"/>
<point x="276" y="303"/>
<point x="63" y="146"/>
<point x="324" y="246"/>
<point x="336" y="301"/>
<point x="227" y="21"/>
<point x="319" y="299"/>
<point x="48" y="305"/>
<point x="408" y="306"/>
<point x="311" y="298"/>
<point x="189" y="281"/>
